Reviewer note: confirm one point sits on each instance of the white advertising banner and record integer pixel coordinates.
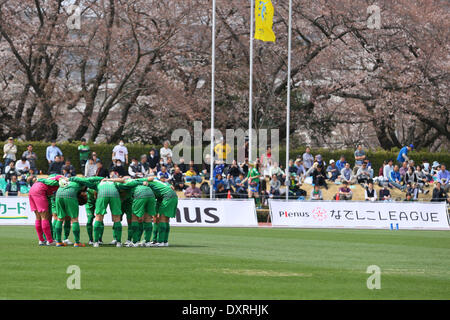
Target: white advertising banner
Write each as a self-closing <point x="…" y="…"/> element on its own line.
<point x="191" y="212"/>
<point x="359" y="215"/>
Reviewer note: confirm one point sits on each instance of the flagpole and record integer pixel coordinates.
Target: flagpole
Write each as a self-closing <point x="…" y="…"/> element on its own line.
<point x="250" y="89"/>
<point x="288" y="103"/>
<point x="213" y="62"/>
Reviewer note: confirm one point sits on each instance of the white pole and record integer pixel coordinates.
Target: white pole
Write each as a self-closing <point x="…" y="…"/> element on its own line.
<point x="213" y="62"/>
<point x="250" y="89"/>
<point x="288" y="107"/>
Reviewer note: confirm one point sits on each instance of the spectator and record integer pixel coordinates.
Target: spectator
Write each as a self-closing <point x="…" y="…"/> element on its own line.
<point x="395" y="179"/>
<point x="403" y="170"/>
<point x="319" y="175"/>
<point x="308" y="159"/>
<point x="316" y="194"/>
<point x="119" y="169"/>
<point x="380" y="171"/>
<point x="435" y="169"/>
<point x="120" y="152"/>
<point x="90" y="169"/>
<point x="385" y="194"/>
<point x="301" y="170"/>
<point x="101" y="171"/>
<point x="241" y="186"/>
<point x="409" y="197"/>
<point x="222" y="150"/>
<point x="13" y="187"/>
<point x="134" y="170"/>
<point x="169" y="165"/>
<point x="95" y="157"/>
<point x="360" y="156"/>
<point x="387" y="170"/>
<point x="363" y="174"/>
<point x="153" y="160"/>
<point x="192" y="191"/>
<point x="244" y="167"/>
<point x="233" y="172"/>
<point x="165" y="152"/>
<point x="182" y="165"/>
<point x="276" y="170"/>
<point x="178" y="179"/>
<point x="370" y="193"/>
<point x="421" y="178"/>
<point x="10" y="170"/>
<point x="192" y="176"/>
<point x="403" y="154"/>
<point x="295" y="192"/>
<point x="9" y="151"/>
<point x="23" y="166"/>
<point x="69" y="168"/>
<point x="144" y="166"/>
<point x="160" y="165"/>
<point x="332" y="171"/>
<point x="31" y="157"/>
<point x="52" y="152"/>
<point x="414" y="190"/>
<point x="218" y="179"/>
<point x="340" y="164"/>
<point x="347" y="174"/>
<point x="221" y="193"/>
<point x="31" y="178"/>
<point x="443" y="176"/>
<point x="84" y="151"/>
<point x="439" y="193"/>
<point x="345" y="193"/>
<point x="275" y="186"/>
<point x="56" y="166"/>
<point x="163" y="175"/>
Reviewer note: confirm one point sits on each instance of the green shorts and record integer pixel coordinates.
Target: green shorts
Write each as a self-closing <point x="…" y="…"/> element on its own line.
<point x="66" y="207"/>
<point x="167" y="207"/>
<point x="90" y="208"/>
<point x="114" y="205"/>
<point x="144" y="205"/>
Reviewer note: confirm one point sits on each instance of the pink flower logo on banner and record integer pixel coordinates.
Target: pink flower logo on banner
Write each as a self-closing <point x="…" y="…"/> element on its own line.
<point x="319" y="214"/>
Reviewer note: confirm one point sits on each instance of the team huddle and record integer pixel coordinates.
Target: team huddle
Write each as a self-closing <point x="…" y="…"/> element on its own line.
<point x="147" y="203"/>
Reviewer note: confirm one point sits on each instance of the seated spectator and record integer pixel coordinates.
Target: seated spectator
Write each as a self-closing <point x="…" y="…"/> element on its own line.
<point x="316" y="194"/>
<point x="192" y="176"/>
<point x="135" y="170"/>
<point x="387" y="170"/>
<point x="414" y="190"/>
<point x="101" y="171"/>
<point x="153" y="161"/>
<point x="403" y="170"/>
<point x="10" y="170"/>
<point x="347" y="175"/>
<point x="395" y="178"/>
<point x="301" y="171"/>
<point x="295" y="191"/>
<point x="218" y="179"/>
<point x="192" y="191"/>
<point x="56" y="166"/>
<point x="363" y="174"/>
<point x="13" y="187"/>
<point x="435" y="169"/>
<point x="23" y="166"/>
<point x="340" y="164"/>
<point x="232" y="172"/>
<point x="118" y="167"/>
<point x="380" y="171"/>
<point x="183" y="167"/>
<point x="332" y="171"/>
<point x="143" y="166"/>
<point x="276" y="170"/>
<point x="439" y="193"/>
<point x="218" y="168"/>
<point x="163" y="175"/>
<point x="31" y="177"/>
<point x="344" y="193"/>
<point x="241" y="186"/>
<point x="244" y="166"/>
<point x="69" y="168"/>
<point x="292" y="167"/>
<point x="221" y="193"/>
<point x="170" y="165"/>
<point x="90" y="169"/>
<point x="95" y="157"/>
<point x="443" y="176"/>
<point x="275" y="186"/>
<point x="369" y="167"/>
<point x="409" y="197"/>
<point x="421" y="179"/>
<point x="370" y="193"/>
<point x="319" y="175"/>
<point x="384" y="194"/>
<point x="178" y="179"/>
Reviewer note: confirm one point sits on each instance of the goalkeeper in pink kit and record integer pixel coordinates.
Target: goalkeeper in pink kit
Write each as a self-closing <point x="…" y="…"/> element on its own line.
<point x="38" y="196"/>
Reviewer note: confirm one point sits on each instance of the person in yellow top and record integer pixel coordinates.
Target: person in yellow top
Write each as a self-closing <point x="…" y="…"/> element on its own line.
<point x="9" y="151"/>
<point x="222" y="150"/>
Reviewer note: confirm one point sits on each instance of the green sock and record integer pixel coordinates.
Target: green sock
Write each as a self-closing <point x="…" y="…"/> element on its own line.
<point x="166" y="238"/>
<point x="135" y="230"/>
<point x="130" y="231"/>
<point x="155" y="232"/>
<point x="76" y="231"/>
<point x="89" y="228"/>
<point x="141" y="230"/>
<point x="117" y="230"/>
<point x="58" y="230"/>
<point x="97" y="230"/>
<point x="147" y="231"/>
<point x="66" y="229"/>
<point x="53" y="228"/>
<point x="102" y="229"/>
<point x="161" y="232"/>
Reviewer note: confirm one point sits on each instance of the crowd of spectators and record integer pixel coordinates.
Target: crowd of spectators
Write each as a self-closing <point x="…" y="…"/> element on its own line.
<point x="262" y="179"/>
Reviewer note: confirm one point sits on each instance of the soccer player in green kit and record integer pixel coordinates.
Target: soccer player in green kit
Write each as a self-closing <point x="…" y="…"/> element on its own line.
<point x="68" y="200"/>
<point x="143" y="209"/>
<point x="91" y="194"/>
<point x="166" y="207"/>
<point x="107" y="195"/>
<point x="253" y="178"/>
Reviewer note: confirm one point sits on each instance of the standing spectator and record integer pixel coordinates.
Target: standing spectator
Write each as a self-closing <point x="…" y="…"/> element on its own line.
<point x="403" y="154"/>
<point x="120" y="152"/>
<point x="153" y="160"/>
<point x="333" y="171"/>
<point x="13" y="187"/>
<point x="178" y="179"/>
<point x="360" y="156"/>
<point x="385" y="194"/>
<point x="84" y="151"/>
<point x="135" y="170"/>
<point x="9" y="151"/>
<point x="316" y="194"/>
<point x="10" y="170"/>
<point x="69" y="168"/>
<point x="345" y="193"/>
<point x="443" y="176"/>
<point x="308" y="159"/>
<point x="340" y="164"/>
<point x="370" y="193"/>
<point x="439" y="193"/>
<point x="31" y="157"/>
<point x="23" y="166"/>
<point x="222" y="150"/>
<point x="56" y="166"/>
<point x="395" y="179"/>
<point x="347" y="174"/>
<point x="52" y="152"/>
<point x="192" y="191"/>
<point x="119" y="168"/>
<point x="165" y="152"/>
<point x="101" y="171"/>
<point x="90" y="169"/>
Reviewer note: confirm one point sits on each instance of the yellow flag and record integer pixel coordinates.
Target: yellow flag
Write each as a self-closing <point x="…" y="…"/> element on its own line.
<point x="264" y="20"/>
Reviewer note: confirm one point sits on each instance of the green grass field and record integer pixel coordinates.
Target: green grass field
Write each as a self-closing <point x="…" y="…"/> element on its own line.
<point x="233" y="263"/>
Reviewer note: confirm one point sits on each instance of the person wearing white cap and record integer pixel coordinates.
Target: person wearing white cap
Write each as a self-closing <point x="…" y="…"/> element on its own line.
<point x="332" y="171"/>
<point x="9" y="151"/>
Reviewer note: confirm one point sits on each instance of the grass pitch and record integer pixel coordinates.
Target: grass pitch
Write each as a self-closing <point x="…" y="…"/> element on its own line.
<point x="227" y="263"/>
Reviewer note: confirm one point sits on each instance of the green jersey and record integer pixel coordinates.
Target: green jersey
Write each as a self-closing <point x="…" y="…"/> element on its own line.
<point x="91" y="182"/>
<point x="107" y="189"/>
<point x="75" y="185"/>
<point x="162" y="190"/>
<point x="135" y="189"/>
<point x="84" y="152"/>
